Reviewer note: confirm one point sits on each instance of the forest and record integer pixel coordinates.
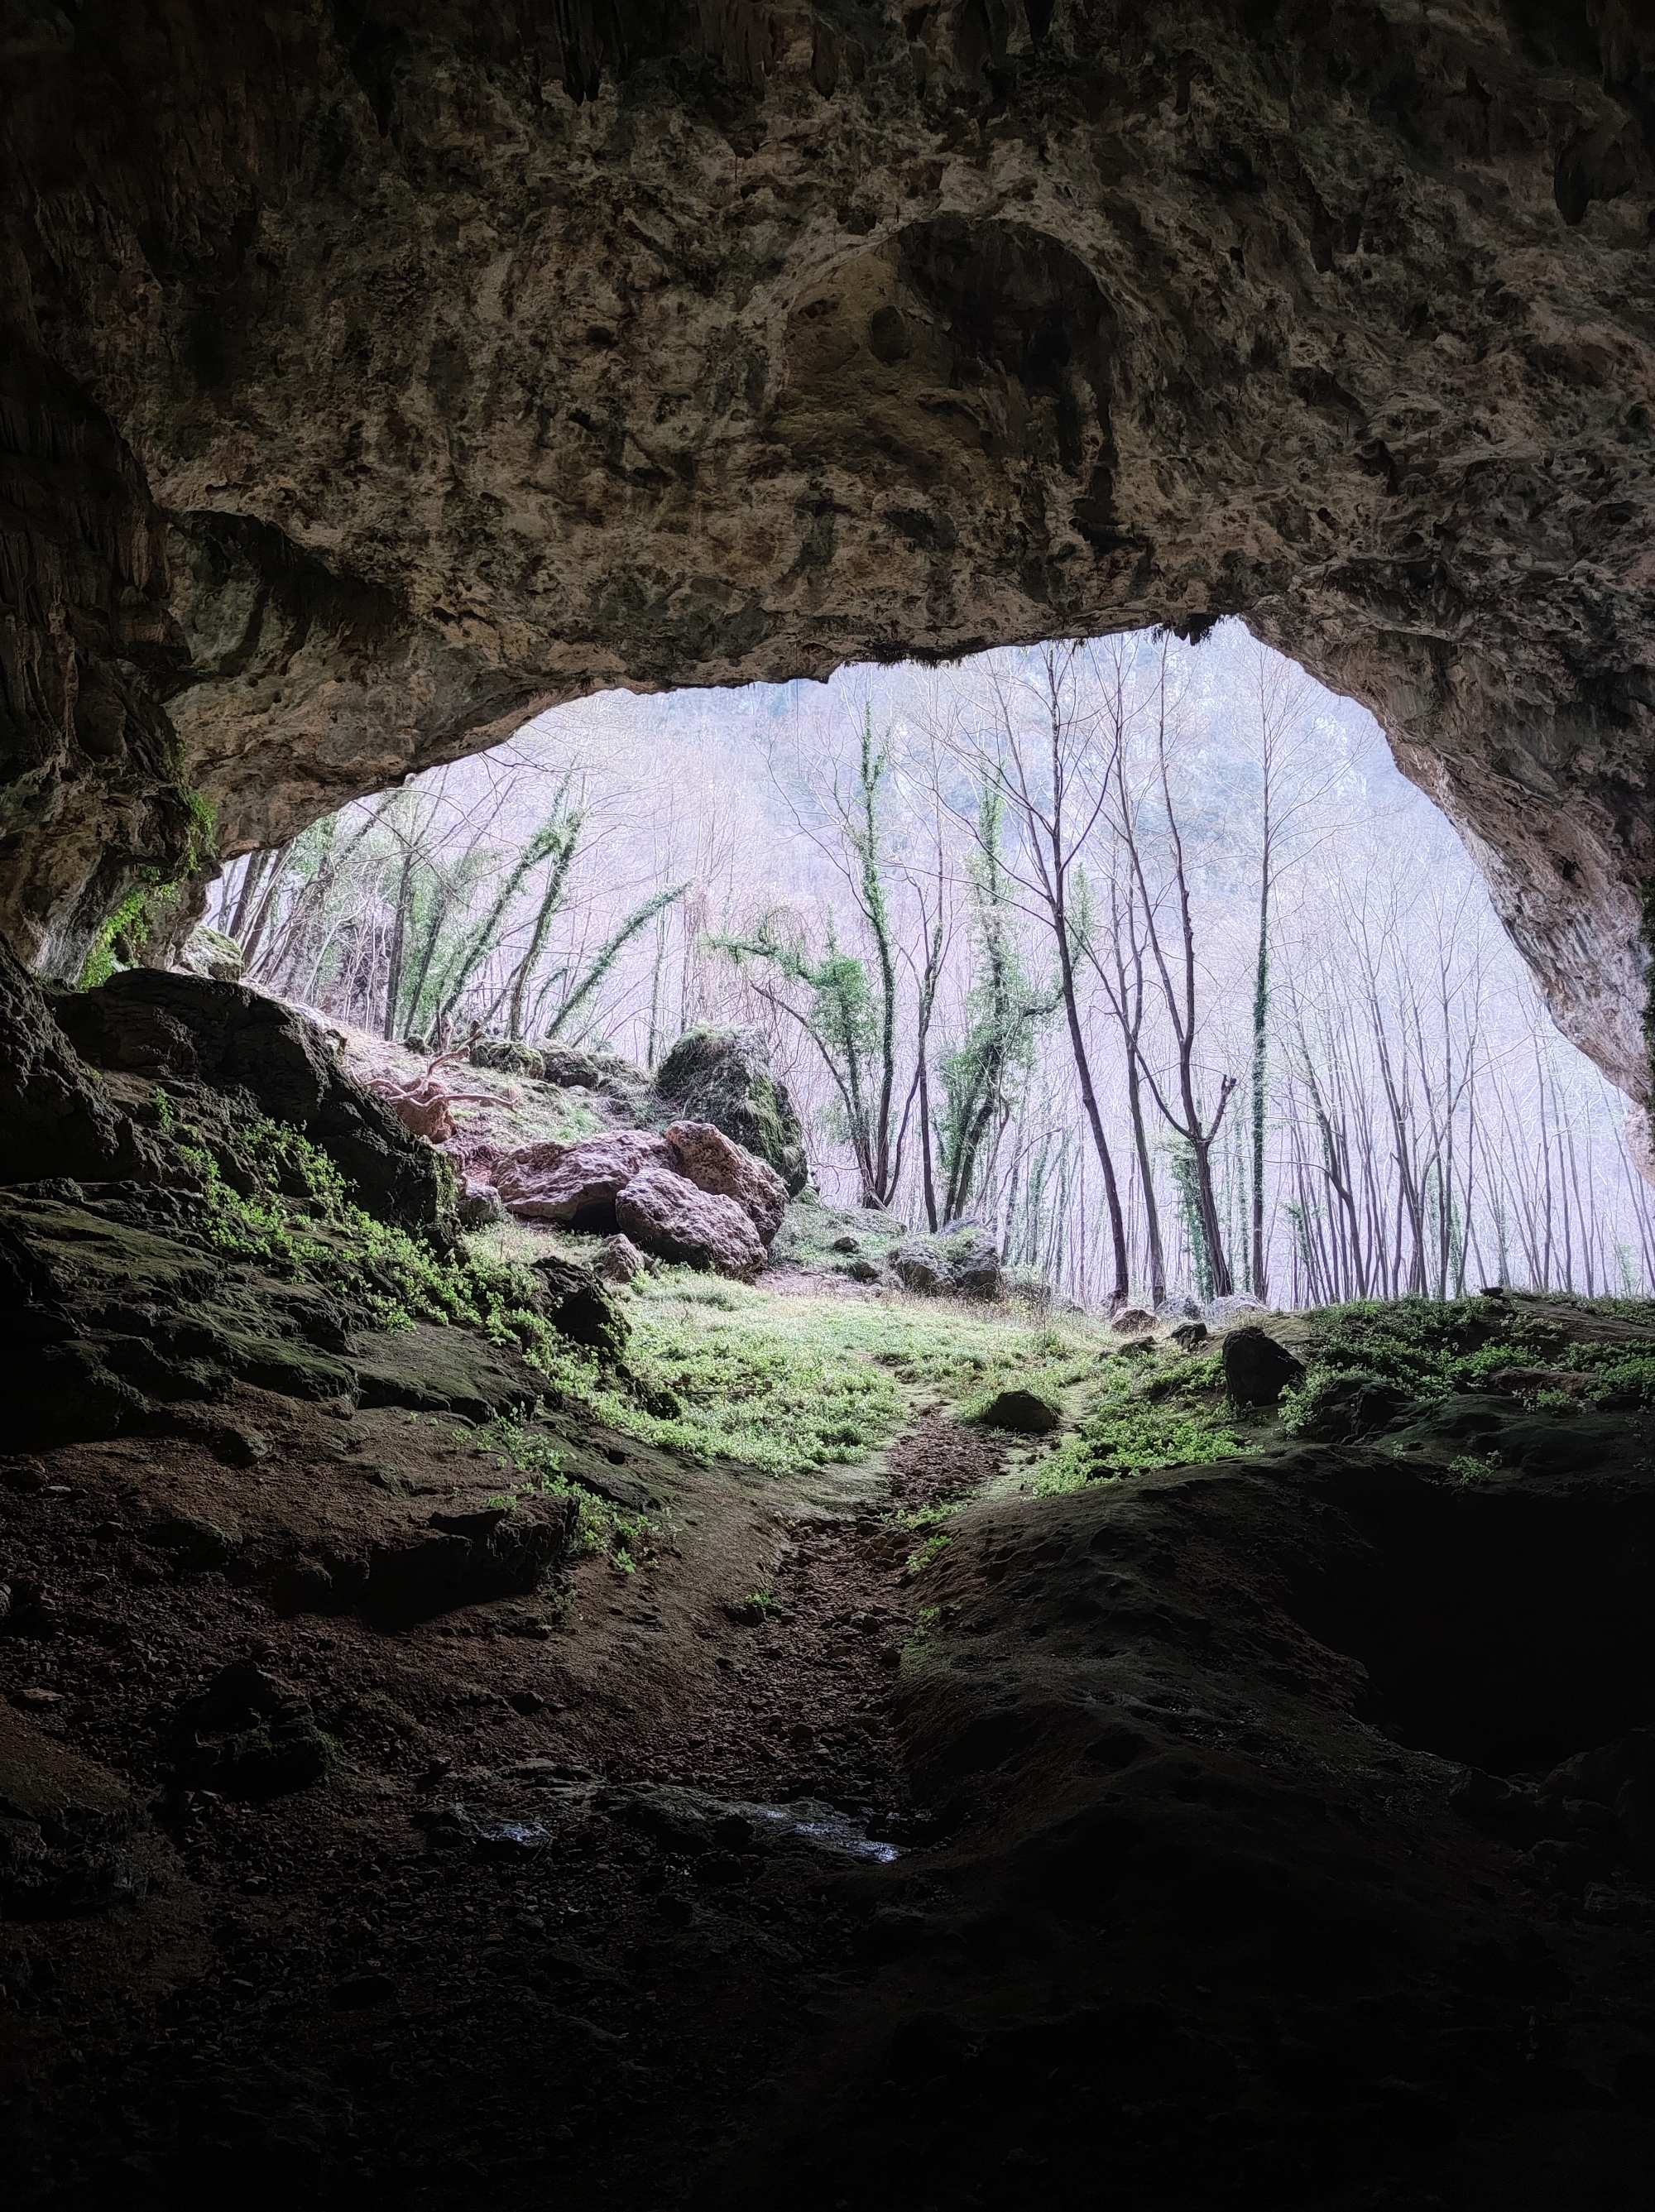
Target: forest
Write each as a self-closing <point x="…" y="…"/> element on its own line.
<point x="1142" y="953"/>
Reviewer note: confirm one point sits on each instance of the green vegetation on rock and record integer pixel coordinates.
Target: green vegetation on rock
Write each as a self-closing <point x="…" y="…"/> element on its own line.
<point x="1418" y="1350"/>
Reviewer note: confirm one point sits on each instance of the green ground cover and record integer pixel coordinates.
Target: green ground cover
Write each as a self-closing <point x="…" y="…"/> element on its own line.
<point x="1431" y="1350"/>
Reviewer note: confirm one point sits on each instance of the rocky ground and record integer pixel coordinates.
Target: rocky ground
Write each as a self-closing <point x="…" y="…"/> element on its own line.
<point x="1190" y="1829"/>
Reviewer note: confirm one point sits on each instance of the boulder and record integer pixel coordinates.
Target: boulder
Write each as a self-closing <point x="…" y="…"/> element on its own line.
<point x="565" y="1067"/>
<point x="578" y="1306"/>
<point x="619" y="1259"/>
<point x="959" y="1261"/>
<point x="211" y="952"/>
<point x="1133" y="1320"/>
<point x="704" y="1156"/>
<point x="665" y="1214"/>
<point x="1257" y="1368"/>
<point x="479" y="1206"/>
<point x="577" y="1184"/>
<point x="1189" y="1335"/>
<point x="1343" y="1408"/>
<point x="723" y="1076"/>
<point x="1230" y="1307"/>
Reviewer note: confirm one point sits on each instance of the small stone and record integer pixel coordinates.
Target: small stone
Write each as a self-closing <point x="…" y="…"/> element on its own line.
<point x="37" y="1700"/>
<point x="619" y="1259"/>
<point x="1133" y="1320"/>
<point x="1025" y="1412"/>
<point x="1190" y="1335"/>
<point x="242" y="1447"/>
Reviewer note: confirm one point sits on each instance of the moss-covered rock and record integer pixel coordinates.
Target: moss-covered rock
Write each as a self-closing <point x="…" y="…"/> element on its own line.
<point x="723" y="1076"/>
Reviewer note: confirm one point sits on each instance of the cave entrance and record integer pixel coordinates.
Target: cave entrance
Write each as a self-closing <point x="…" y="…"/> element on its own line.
<point x="1243" y="1023"/>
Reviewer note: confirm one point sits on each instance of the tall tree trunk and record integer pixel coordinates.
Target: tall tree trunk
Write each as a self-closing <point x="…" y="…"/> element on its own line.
<point x="393" y="966"/>
<point x="1089" y="1100"/>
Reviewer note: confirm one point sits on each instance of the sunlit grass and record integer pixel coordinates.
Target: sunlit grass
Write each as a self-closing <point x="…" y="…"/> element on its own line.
<point x="786" y="1384"/>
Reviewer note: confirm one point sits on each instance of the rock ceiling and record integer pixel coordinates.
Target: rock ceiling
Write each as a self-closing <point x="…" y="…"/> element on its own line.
<point x="375" y="375"/>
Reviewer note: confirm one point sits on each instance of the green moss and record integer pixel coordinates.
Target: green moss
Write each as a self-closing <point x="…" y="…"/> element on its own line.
<point x="627" y="1540"/>
<point x="722" y="1372"/>
<point x="127" y="929"/>
<point x="290" y="1211"/>
<point x="1427" y="1351"/>
<point x="1141" y="1420"/>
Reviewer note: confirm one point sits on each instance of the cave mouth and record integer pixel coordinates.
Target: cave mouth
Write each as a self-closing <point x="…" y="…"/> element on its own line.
<point x="1503" y="1625"/>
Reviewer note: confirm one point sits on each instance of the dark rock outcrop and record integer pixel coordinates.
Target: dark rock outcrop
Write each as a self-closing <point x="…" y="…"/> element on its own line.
<point x="1257" y="1368"/>
<point x="55" y="1118"/>
<point x="190" y="1030"/>
<point x="372" y="380"/>
<point x="723" y="1076"/>
<point x="960" y="1259"/>
<point x="1025" y="1412"/>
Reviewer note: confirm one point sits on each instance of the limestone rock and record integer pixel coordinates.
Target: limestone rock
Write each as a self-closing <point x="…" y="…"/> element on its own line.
<point x="576" y="1302"/>
<point x="619" y="1259"/>
<point x="566" y="1066"/>
<point x="960" y="1259"/>
<point x="479" y="1204"/>
<point x="577" y="1184"/>
<point x="723" y="1076"/>
<point x="1133" y="1320"/>
<point x="667" y="1215"/>
<point x="704" y="1156"/>
<point x="211" y="952"/>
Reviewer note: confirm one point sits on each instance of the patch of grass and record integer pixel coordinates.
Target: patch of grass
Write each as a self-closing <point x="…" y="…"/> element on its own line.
<point x="788" y="1384"/>
<point x="930" y="1551"/>
<point x="1142" y="1418"/>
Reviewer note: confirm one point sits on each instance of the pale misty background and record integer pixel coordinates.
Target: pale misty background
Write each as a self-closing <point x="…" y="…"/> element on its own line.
<point x="1423" y="1124"/>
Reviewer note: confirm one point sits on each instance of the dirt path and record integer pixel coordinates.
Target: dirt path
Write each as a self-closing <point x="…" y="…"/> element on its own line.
<point x="493" y="1946"/>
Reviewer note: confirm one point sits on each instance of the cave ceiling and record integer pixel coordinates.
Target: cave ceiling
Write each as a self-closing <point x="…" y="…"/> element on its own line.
<point x="376" y="376"/>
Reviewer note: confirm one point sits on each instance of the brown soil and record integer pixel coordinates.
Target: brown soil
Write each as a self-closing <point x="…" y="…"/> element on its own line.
<point x="1117" y="1840"/>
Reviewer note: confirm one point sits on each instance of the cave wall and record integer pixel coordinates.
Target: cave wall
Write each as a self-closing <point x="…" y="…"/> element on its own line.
<point x="373" y="376"/>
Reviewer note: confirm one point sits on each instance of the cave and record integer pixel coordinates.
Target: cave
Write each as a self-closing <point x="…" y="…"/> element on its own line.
<point x="377" y="376"/>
